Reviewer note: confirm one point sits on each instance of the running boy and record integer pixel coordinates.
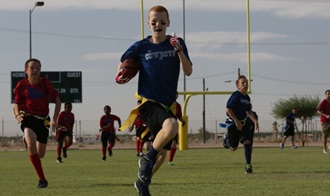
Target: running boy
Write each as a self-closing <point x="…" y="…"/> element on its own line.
<point x="160" y="57"/>
<point x="31" y="108"/>
<point x="64" y="131"/>
<point x="238" y="109"/>
<point x="107" y="125"/>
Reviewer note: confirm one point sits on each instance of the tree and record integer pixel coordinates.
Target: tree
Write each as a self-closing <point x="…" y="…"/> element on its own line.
<point x="306" y="110"/>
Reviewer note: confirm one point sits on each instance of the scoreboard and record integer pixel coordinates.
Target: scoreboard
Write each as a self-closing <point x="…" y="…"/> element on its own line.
<point x="67" y="83"/>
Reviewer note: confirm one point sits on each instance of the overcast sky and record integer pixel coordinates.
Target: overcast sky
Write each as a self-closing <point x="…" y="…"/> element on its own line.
<point x="290" y="49"/>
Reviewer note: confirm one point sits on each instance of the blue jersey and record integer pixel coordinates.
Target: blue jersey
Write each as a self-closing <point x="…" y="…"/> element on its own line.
<point x="159" y="69"/>
<point x="240" y="104"/>
<point x="290" y="117"/>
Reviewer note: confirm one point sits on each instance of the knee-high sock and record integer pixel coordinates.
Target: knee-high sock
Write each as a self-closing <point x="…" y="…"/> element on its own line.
<point x="58" y="152"/>
<point x="172" y="153"/>
<point x="137" y="143"/>
<point x="66" y="146"/>
<point x="104" y="149"/>
<point x="248" y="153"/>
<point x="141" y="146"/>
<point x="36" y="162"/>
<point x="111" y="145"/>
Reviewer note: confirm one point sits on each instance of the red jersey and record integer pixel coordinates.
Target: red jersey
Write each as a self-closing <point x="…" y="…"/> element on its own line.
<point x="34" y="98"/>
<point x="66" y="119"/>
<point x="178" y="110"/>
<point x="106" y="120"/>
<point x="325" y="108"/>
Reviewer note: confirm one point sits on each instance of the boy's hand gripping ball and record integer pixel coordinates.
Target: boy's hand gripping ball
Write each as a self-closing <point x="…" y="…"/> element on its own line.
<point x="127" y="70"/>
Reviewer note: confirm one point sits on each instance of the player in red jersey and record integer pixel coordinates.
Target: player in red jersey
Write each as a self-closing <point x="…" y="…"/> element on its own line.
<point x="32" y="96"/>
<point x="108" y="131"/>
<point x="178" y="115"/>
<point x="140" y="127"/>
<point x="64" y="131"/>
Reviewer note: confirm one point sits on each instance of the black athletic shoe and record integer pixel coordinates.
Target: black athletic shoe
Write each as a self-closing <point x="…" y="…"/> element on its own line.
<point x="64" y="153"/>
<point x="248" y="169"/>
<point x="145" y="169"/>
<point x="141" y="188"/>
<point x="110" y="152"/>
<point x="59" y="160"/>
<point x="104" y="158"/>
<point x="139" y="154"/>
<point x="42" y="184"/>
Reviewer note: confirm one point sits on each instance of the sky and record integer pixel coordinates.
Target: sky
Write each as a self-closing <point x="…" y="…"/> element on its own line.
<point x="290" y="49"/>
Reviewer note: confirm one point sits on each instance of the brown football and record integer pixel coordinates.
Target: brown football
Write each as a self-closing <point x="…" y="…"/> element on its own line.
<point x="127" y="70"/>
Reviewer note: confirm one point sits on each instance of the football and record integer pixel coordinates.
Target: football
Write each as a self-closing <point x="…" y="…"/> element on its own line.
<point x="127" y="70"/>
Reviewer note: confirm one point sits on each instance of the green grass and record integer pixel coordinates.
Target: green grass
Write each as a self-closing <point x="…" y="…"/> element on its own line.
<point x="305" y="171"/>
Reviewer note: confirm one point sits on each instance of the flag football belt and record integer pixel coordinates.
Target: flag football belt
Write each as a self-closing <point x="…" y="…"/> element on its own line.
<point x="230" y="121"/>
<point x="133" y="114"/>
<point x="45" y="119"/>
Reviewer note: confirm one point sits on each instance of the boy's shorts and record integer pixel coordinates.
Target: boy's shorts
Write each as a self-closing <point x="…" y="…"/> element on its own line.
<point x="235" y="136"/>
<point x="154" y="115"/>
<point x="37" y="126"/>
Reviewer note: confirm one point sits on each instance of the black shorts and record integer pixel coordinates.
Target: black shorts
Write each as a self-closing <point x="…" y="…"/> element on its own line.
<point x="38" y="127"/>
<point x="60" y="135"/>
<point x="108" y="137"/>
<point x="289" y="131"/>
<point x="235" y="136"/>
<point x="154" y="115"/>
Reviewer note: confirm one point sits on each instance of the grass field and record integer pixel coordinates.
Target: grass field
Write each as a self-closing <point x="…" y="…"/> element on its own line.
<point x="305" y="171"/>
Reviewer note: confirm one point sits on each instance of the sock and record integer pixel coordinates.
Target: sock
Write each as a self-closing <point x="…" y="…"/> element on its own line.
<point x="137" y="142"/>
<point x="36" y="162"/>
<point x="248" y="153"/>
<point x="59" y="150"/>
<point x="141" y="145"/>
<point x="103" y="151"/>
<point x="67" y="146"/>
<point x="152" y="154"/>
<point x="172" y="153"/>
<point x="111" y="145"/>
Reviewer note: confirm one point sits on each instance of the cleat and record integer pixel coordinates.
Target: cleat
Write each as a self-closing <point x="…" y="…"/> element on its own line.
<point x="294" y="147"/>
<point x="104" y="158"/>
<point x="64" y="153"/>
<point x="139" y="154"/>
<point x="325" y="151"/>
<point x="145" y="169"/>
<point x="281" y="145"/>
<point x="248" y="169"/>
<point x="171" y="163"/>
<point x="110" y="152"/>
<point x="141" y="188"/>
<point x="42" y="184"/>
<point x="59" y="160"/>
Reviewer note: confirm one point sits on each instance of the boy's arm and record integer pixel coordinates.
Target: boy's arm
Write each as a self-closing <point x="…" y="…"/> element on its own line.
<point x="231" y="114"/>
<point x="185" y="63"/>
<point x="56" y="112"/>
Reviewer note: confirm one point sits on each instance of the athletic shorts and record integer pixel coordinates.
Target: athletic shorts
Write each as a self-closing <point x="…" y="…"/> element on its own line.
<point x="289" y="131"/>
<point x="60" y="135"/>
<point x="235" y="136"/>
<point x="108" y="137"/>
<point x="37" y="126"/>
<point x="325" y="129"/>
<point x="154" y="115"/>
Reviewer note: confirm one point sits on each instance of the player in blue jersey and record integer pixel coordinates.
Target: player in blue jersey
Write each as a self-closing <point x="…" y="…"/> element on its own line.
<point x="161" y="57"/>
<point x="238" y="109"/>
<point x="289" y="128"/>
